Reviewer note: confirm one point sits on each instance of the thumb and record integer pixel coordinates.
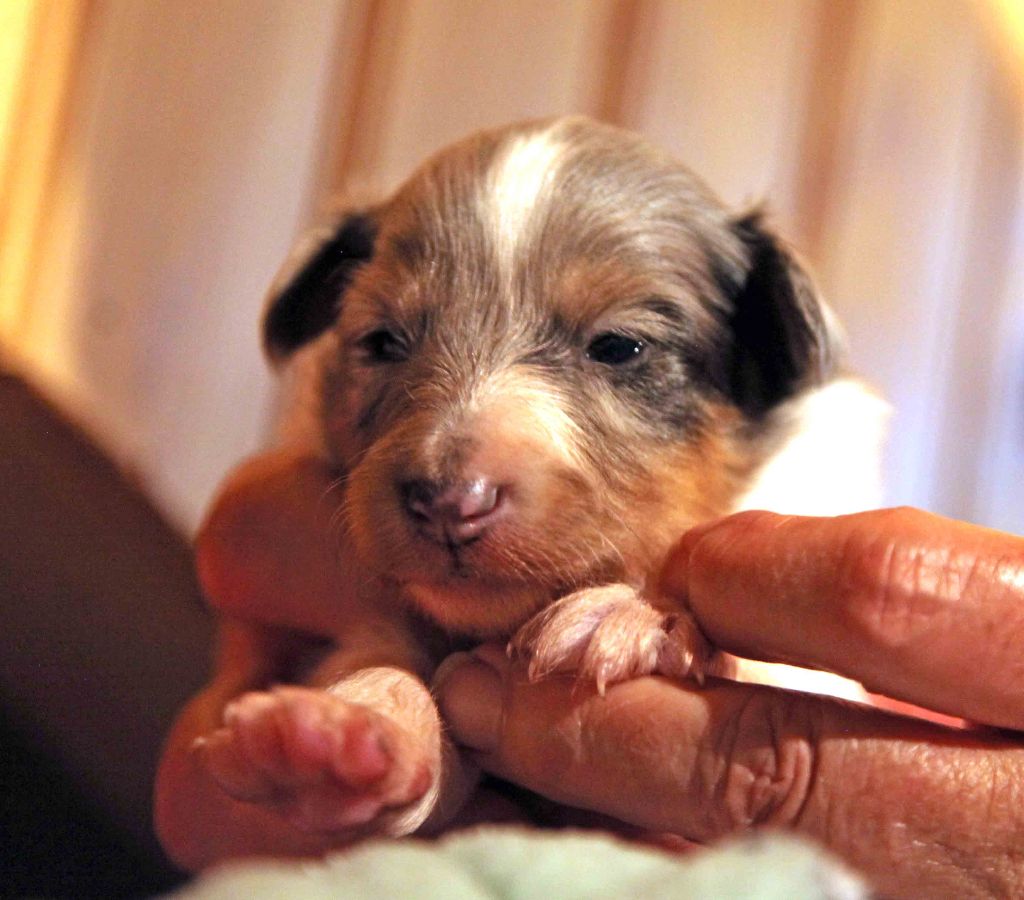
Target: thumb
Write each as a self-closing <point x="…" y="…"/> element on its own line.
<point x="623" y="754"/>
<point x="704" y="762"/>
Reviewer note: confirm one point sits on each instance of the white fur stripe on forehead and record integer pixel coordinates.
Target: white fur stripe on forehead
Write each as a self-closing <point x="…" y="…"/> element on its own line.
<point x="519" y="179"/>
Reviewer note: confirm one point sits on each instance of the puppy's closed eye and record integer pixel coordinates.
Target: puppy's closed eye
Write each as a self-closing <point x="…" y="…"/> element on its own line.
<point x="383" y="345"/>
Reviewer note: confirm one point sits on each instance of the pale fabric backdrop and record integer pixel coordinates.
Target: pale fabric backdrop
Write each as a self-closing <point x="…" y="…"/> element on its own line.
<point x="158" y="158"/>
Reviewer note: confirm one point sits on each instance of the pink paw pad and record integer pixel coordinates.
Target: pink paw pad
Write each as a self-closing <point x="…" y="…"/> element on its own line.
<point x="321" y="762"/>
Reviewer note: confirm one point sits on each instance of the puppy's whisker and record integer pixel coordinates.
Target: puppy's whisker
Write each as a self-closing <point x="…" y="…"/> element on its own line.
<point x="335" y="485"/>
<point x="627" y="527"/>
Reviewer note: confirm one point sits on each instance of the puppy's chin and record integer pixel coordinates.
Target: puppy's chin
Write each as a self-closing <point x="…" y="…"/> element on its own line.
<point x="484" y="609"/>
<point x="481" y="591"/>
<point x="487" y="587"/>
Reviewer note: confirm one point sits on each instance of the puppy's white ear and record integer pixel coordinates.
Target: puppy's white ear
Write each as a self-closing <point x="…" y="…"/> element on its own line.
<point x="784" y="338"/>
<point x="306" y="295"/>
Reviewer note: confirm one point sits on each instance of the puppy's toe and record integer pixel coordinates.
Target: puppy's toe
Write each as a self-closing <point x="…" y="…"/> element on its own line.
<point x="557" y="638"/>
<point x="610" y="634"/>
<point x="686" y="653"/>
<point x="634" y="640"/>
<point x="626" y="644"/>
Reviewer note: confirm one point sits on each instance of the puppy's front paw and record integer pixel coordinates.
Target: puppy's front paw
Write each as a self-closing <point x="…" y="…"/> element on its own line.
<point x="609" y="634"/>
<point x="324" y="764"/>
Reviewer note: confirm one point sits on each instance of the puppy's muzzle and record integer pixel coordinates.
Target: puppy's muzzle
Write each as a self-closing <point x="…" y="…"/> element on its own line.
<point x="454" y="514"/>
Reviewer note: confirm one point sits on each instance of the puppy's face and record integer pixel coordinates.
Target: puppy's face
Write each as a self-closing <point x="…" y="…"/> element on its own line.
<point x="538" y="372"/>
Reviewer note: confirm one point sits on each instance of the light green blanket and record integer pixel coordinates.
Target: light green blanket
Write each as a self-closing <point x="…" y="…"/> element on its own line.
<point x="521" y="864"/>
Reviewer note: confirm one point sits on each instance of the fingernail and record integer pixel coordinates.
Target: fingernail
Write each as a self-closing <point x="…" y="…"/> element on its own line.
<point x="448" y="665"/>
<point x="469" y="691"/>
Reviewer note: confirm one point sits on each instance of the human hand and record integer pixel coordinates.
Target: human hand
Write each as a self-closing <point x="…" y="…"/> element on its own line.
<point x="918" y="607"/>
<point x="251" y="769"/>
<point x="272" y="550"/>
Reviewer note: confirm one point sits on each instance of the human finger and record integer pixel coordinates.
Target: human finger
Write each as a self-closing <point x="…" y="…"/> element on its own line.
<point x="269" y="547"/>
<point x="913" y="605"/>
<point x="922" y="809"/>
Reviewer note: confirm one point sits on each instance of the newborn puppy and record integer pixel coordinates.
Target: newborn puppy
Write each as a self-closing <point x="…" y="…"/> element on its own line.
<point x="547" y="356"/>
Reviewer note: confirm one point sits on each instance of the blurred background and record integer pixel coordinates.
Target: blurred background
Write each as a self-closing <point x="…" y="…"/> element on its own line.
<point x="159" y="157"/>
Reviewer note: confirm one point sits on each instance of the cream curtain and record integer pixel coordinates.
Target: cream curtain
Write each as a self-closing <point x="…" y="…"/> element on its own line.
<point x="40" y="48"/>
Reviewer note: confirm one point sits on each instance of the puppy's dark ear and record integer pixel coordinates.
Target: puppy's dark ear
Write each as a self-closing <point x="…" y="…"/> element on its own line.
<point x="305" y="303"/>
<point x="781" y="341"/>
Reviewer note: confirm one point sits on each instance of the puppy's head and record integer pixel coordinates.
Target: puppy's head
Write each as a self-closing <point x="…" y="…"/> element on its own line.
<point x="550" y="352"/>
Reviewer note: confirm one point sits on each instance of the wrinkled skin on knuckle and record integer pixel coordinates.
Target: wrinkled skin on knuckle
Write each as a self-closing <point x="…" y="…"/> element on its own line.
<point x="922" y="810"/>
<point x="885" y="578"/>
<point x="759" y="769"/>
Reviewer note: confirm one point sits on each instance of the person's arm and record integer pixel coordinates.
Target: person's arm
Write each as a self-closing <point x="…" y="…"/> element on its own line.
<point x="923" y="608"/>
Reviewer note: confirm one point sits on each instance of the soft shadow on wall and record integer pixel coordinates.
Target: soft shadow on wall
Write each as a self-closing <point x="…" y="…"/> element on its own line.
<point x="159" y="158"/>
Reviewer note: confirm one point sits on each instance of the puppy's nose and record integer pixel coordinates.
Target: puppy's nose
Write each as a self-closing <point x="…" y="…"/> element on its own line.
<point x="454" y="513"/>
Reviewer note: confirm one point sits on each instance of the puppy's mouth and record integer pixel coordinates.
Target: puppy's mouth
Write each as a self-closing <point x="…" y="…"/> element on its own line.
<point x="459" y="566"/>
<point x="456" y="517"/>
<point x="480" y="561"/>
<point x="461" y="559"/>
